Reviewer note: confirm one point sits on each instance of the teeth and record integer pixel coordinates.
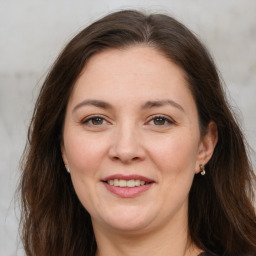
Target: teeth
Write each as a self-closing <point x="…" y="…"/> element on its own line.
<point x="130" y="183"/>
<point x="116" y="182"/>
<point x="137" y="183"/>
<point x="126" y="183"/>
<point x="122" y="183"/>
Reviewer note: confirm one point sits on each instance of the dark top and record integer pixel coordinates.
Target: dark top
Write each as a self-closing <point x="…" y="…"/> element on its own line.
<point x="206" y="254"/>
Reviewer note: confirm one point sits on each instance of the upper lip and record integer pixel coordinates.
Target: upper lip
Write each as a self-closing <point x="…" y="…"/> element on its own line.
<point x="127" y="177"/>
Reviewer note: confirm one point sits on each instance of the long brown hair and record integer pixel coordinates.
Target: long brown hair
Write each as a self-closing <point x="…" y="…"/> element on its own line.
<point x="221" y="214"/>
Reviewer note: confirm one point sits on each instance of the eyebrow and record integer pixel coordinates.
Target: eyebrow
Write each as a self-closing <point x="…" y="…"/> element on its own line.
<point x="148" y="104"/>
<point x="160" y="103"/>
<point x="96" y="103"/>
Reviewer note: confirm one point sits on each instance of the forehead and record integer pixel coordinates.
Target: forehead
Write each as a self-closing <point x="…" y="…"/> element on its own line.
<point x="140" y="60"/>
<point x="134" y="73"/>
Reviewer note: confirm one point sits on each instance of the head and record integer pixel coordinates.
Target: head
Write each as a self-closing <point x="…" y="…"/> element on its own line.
<point x="48" y="187"/>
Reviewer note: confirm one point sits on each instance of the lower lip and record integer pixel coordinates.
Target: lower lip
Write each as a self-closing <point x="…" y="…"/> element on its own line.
<point x="127" y="192"/>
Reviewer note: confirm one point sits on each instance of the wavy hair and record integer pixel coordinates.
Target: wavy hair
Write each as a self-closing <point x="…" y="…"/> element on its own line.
<point x="221" y="213"/>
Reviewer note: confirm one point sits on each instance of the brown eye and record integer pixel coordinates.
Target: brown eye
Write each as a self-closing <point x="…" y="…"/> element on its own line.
<point x="97" y="120"/>
<point x="94" y="121"/>
<point x="159" y="121"/>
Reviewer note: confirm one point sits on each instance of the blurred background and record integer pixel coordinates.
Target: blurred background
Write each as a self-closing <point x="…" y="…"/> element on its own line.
<point x="32" y="33"/>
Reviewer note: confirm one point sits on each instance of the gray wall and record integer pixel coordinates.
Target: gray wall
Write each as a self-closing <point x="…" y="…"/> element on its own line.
<point x="33" y="32"/>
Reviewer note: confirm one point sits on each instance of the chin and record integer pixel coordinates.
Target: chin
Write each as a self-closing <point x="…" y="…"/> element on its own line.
<point x="129" y="225"/>
<point x="128" y="220"/>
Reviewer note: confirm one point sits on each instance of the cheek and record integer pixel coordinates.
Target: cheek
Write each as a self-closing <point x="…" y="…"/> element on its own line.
<point x="175" y="154"/>
<point x="84" y="153"/>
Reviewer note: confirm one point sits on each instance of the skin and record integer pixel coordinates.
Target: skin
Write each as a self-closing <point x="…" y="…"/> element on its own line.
<point x="128" y="138"/>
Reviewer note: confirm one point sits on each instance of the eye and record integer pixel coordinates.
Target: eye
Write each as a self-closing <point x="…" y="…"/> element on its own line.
<point x="160" y="121"/>
<point x="94" y="121"/>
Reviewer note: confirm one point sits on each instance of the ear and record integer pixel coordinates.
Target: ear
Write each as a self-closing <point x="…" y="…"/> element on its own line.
<point x="63" y="152"/>
<point x="207" y="145"/>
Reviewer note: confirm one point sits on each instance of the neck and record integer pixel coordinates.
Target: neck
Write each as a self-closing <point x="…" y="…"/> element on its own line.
<point x="170" y="240"/>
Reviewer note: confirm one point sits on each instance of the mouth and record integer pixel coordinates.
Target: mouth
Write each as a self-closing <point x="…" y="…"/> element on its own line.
<point x="127" y="183"/>
<point x="127" y="186"/>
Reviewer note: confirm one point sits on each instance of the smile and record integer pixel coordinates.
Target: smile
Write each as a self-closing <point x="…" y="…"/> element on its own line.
<point x="127" y="186"/>
<point x="127" y="183"/>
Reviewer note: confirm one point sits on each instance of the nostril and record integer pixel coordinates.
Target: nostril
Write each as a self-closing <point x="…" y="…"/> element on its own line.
<point x="126" y="154"/>
<point x="127" y="159"/>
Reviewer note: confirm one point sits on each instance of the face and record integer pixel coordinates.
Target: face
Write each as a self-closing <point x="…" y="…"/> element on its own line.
<point x="131" y="140"/>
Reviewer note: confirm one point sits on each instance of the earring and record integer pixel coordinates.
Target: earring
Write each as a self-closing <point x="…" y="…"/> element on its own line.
<point x="202" y="168"/>
<point x="67" y="168"/>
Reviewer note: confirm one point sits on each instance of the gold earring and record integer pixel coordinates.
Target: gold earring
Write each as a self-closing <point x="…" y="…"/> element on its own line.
<point x="202" y="168"/>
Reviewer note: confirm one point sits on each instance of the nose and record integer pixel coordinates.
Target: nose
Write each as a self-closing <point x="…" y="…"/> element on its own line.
<point x="127" y="146"/>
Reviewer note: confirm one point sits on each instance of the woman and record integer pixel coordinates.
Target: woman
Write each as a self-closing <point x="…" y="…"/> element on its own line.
<point x="133" y="149"/>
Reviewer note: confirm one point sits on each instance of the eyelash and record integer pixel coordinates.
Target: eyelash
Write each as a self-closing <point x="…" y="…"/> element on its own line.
<point x="167" y="121"/>
<point x="164" y="118"/>
<point x="91" y="118"/>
